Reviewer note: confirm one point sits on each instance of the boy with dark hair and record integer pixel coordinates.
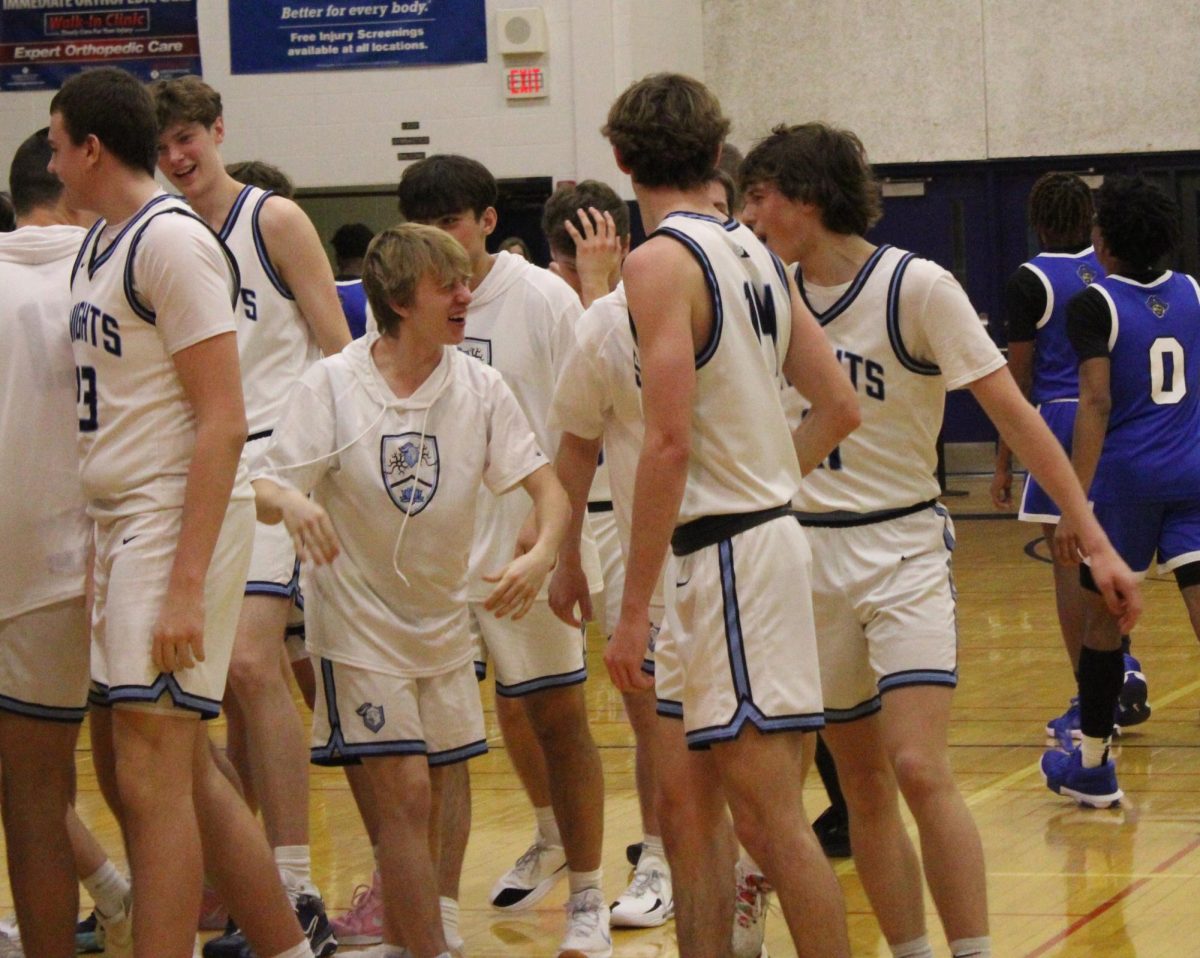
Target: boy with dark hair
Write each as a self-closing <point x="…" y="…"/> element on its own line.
<point x="717" y="325"/>
<point x="288" y="316"/>
<point x="263" y="175"/>
<point x="161" y="429"/>
<point x="589" y="221"/>
<point x="1137" y="334"/>
<point x="350" y="243"/>
<point x="1046" y="368"/>
<point x="907" y="333"/>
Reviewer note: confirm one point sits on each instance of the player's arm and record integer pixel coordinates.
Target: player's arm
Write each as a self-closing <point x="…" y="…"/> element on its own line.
<point x="1031" y="439"/>
<point x="575" y="466"/>
<point x="296" y="253"/>
<point x="308" y="523"/>
<point x="518" y="583"/>
<point x="1024" y="305"/>
<point x="812" y="367"/>
<point x="666" y="294"/>
<point x="212" y="383"/>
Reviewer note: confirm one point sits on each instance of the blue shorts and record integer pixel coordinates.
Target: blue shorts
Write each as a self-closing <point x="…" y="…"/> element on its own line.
<point x="1036" y="506"/>
<point x="1140" y="530"/>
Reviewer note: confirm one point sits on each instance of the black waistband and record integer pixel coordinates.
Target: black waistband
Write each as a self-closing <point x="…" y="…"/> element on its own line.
<point x="709" y="530"/>
<point x="839" y="520"/>
<point x="600" y="505"/>
<point x="259" y="435"/>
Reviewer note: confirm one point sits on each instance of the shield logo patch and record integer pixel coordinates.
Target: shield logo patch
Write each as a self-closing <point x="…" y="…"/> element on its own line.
<point x="1157" y="306"/>
<point x="1086" y="273"/>
<point x="410" y="468"/>
<point x="372" y="716"/>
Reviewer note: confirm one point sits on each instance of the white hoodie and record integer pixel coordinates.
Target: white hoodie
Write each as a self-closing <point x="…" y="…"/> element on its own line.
<point x="399" y="479"/>
<point x="42" y="521"/>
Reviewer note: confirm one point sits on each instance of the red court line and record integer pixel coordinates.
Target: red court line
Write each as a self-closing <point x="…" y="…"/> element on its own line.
<point x="1115" y="899"/>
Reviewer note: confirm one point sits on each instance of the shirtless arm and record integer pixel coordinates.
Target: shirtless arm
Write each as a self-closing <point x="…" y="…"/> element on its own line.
<point x="669" y="305"/>
<point x="212" y="382"/>
<point x="296" y="253"/>
<point x="1030" y="438"/>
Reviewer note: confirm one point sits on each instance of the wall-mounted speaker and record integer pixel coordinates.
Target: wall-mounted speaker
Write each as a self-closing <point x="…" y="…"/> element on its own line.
<point x="521" y="30"/>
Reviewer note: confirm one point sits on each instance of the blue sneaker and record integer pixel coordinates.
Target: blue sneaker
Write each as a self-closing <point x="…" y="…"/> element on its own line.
<point x="89" y="936"/>
<point x="1065" y="727"/>
<point x="1065" y="775"/>
<point x="1133" y="707"/>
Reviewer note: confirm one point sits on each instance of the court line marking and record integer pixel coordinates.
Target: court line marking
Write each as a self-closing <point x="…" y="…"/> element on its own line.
<point x="1113" y="900"/>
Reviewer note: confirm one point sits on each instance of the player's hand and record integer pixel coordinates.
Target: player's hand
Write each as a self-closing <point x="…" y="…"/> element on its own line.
<point x="568" y="589"/>
<point x="1067" y="547"/>
<point x="1119" y="587"/>
<point x="598" y="247"/>
<point x="1001" y="488"/>
<point x="517" y="584"/>
<point x="177" y="639"/>
<point x="310" y="528"/>
<point x="625" y="652"/>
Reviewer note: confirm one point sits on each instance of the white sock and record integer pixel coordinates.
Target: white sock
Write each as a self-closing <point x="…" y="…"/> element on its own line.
<point x="972" y="947"/>
<point x="749" y="865"/>
<point x="108" y="888"/>
<point x="301" y="950"/>
<point x="582" y="881"/>
<point x="450" y="922"/>
<point x="653" y="845"/>
<point x="1094" y="752"/>
<point x="547" y="825"/>
<point x="295" y="869"/>
<point x="917" y="948"/>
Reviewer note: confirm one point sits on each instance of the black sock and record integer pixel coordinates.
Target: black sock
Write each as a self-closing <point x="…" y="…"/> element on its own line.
<point x="1125" y="640"/>
<point x="1100" y="677"/>
<point x="829" y="776"/>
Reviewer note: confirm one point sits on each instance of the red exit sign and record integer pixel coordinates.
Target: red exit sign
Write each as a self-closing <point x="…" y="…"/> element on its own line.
<point x="524" y="83"/>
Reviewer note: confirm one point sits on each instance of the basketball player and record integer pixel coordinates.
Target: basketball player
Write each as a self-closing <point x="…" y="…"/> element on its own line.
<point x="387" y="610"/>
<point x="884" y="600"/>
<point x="349" y="244"/>
<point x="1046" y="368"/>
<point x="716" y="323"/>
<point x="43" y="625"/>
<point x="1137" y="334"/>
<point x="161" y="429"/>
<point x="288" y="316"/>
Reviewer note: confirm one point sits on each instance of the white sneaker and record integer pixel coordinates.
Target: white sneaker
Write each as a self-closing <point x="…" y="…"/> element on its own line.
<point x="588" y="934"/>
<point x="531" y="878"/>
<point x="750" y="914"/>
<point x="10" y="939"/>
<point x="647" y="902"/>
<point x="118" y="930"/>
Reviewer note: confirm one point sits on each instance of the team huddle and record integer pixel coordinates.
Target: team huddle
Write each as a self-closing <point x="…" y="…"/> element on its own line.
<point x="730" y="429"/>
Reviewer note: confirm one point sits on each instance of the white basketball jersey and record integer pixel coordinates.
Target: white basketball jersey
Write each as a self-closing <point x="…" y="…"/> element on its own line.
<point x="742" y="458"/>
<point x="136" y="427"/>
<point x="520" y="322"/>
<point x="42" y="521"/>
<point x="399" y="479"/>
<point x="275" y="343"/>
<point x="905" y="332"/>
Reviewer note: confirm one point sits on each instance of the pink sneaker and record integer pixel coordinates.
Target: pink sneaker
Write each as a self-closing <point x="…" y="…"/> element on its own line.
<point x="214" y="916"/>
<point x="363" y="923"/>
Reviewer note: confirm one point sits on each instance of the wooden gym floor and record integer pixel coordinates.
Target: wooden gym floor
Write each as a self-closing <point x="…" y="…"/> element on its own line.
<point x="1063" y="881"/>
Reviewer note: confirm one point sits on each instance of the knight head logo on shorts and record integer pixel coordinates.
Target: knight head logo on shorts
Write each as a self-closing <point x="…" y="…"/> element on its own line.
<point x="372" y="716"/>
<point x="410" y="466"/>
<point x="1157" y="306"/>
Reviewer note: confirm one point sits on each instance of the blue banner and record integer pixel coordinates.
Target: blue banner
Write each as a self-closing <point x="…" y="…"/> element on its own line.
<point x="43" y="42"/>
<point x="282" y="36"/>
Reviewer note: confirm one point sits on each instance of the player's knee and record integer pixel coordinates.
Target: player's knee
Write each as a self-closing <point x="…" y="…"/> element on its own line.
<point x="922" y="775"/>
<point x="560" y="722"/>
<point x="252" y="671"/>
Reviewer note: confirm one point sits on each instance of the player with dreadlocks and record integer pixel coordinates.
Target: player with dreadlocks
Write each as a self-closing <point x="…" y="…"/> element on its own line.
<point x="1047" y="369"/>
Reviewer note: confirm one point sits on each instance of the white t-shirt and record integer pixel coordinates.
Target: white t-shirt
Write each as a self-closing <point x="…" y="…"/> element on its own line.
<point x="400" y="480"/>
<point x="142" y="291"/>
<point x="902" y="354"/>
<point x="43" y="525"/>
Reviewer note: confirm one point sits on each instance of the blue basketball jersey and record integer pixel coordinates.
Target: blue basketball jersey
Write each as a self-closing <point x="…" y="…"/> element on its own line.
<point x="1152" y="449"/>
<point x="354" y="304"/>
<point x="1055" y="365"/>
